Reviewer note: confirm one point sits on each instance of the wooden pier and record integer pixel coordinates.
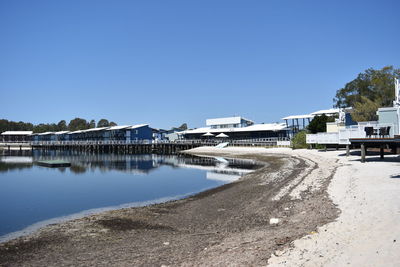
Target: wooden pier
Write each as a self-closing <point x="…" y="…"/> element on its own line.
<point x="144" y="146"/>
<point x="117" y="147"/>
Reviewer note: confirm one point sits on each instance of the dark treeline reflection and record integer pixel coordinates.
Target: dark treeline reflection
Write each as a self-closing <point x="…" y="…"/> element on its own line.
<point x="84" y="162"/>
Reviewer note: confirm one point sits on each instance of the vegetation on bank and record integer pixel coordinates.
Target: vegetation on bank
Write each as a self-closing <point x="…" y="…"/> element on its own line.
<point x="299" y="140"/>
<point x="73" y="125"/>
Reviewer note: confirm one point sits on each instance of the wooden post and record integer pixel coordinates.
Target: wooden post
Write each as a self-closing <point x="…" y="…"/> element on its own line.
<point x="382" y="152"/>
<point x="347" y="150"/>
<point x="363" y="152"/>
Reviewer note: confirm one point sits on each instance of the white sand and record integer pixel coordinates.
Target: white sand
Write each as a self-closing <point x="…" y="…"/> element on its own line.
<point x="367" y="232"/>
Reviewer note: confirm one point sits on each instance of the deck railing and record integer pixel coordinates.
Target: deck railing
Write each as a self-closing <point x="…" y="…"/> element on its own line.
<point x="210" y="142"/>
<point x="343" y="136"/>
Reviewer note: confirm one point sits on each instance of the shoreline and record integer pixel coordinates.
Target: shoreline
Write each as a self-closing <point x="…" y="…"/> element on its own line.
<point x="189" y="231"/>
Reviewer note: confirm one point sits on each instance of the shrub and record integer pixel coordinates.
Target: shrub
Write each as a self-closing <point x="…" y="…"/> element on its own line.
<point x="299" y="140"/>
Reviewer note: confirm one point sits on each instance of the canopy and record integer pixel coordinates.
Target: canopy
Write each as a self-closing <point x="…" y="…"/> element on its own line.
<point x="222" y="135"/>
<point x="208" y="134"/>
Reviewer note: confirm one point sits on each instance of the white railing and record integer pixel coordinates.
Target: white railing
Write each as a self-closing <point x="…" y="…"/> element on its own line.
<point x="255" y="141"/>
<point x="345" y="134"/>
<point x="322" y="138"/>
<point x="90" y="142"/>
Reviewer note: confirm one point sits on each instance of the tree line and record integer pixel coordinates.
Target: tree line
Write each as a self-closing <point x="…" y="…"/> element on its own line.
<point x="74" y="125"/>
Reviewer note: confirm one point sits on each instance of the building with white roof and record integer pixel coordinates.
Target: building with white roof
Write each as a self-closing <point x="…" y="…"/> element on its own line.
<point x="16" y="136"/>
<point x="236" y="128"/>
<point x="299" y="122"/>
<point x="114" y="133"/>
<point x="228" y="122"/>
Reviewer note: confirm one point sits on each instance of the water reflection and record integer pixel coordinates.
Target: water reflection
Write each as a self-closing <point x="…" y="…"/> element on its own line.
<point x="30" y="194"/>
<point x="217" y="168"/>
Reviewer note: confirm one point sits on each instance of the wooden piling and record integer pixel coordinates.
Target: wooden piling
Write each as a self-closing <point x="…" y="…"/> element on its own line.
<point x="363" y="152"/>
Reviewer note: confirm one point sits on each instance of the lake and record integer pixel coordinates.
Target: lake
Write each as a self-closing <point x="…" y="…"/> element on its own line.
<point x="32" y="196"/>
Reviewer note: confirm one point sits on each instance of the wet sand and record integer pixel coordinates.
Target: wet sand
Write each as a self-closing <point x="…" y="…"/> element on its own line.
<point x="228" y="225"/>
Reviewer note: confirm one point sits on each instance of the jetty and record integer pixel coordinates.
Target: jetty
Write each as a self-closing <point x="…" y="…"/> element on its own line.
<point x="54" y="163"/>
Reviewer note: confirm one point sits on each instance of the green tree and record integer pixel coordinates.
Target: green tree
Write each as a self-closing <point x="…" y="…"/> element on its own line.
<point x="92" y="124"/>
<point x="365" y="110"/>
<point x="77" y="124"/>
<point x="112" y="124"/>
<point x="103" y="123"/>
<point x="3" y="125"/>
<point x="62" y="125"/>
<point x="375" y="87"/>
<point x="183" y="127"/>
<point x="318" y="123"/>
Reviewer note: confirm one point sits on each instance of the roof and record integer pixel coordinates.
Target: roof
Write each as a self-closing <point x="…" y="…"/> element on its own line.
<point x="17" y="133"/>
<point x="252" y="128"/>
<point x="227" y="120"/>
<point x="141" y="125"/>
<point x="326" y="111"/>
<point x="75" y="132"/>
<point x="61" y="132"/>
<point x="294" y="117"/>
<point x="311" y="115"/>
<point x="118" y="127"/>
<point x="94" y="129"/>
<point x="45" y="133"/>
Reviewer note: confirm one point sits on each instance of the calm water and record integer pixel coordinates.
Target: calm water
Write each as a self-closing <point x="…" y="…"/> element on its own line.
<point x="30" y="194"/>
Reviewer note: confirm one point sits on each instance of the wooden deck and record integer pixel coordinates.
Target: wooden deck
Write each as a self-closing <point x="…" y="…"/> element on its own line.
<point x="381" y="143"/>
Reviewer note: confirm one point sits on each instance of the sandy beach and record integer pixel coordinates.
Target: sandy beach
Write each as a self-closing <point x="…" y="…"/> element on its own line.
<point x="304" y="208"/>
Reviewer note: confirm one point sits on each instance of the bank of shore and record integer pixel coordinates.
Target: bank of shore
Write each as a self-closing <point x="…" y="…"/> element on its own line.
<point x="229" y="225"/>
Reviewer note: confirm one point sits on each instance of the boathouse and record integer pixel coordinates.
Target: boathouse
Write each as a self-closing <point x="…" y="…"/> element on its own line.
<point x="16" y="136"/>
<point x="129" y="133"/>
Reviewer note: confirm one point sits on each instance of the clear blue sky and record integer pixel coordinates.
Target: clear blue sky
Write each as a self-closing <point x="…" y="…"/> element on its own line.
<point x="169" y="62"/>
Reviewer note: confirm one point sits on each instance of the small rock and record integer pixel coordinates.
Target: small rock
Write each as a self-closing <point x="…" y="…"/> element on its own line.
<point x="166" y="243"/>
<point x="273" y="221"/>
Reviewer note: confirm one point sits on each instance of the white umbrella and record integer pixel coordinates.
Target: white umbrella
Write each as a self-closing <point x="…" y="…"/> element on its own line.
<point x="208" y="134"/>
<point x="222" y="135"/>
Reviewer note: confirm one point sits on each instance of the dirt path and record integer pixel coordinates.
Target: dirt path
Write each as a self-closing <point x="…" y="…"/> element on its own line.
<point x="229" y="225"/>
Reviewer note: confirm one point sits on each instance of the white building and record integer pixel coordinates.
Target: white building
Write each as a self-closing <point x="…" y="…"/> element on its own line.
<point x="236" y="128"/>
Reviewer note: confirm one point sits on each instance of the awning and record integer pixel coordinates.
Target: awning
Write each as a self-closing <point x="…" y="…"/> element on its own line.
<point x="222" y="135"/>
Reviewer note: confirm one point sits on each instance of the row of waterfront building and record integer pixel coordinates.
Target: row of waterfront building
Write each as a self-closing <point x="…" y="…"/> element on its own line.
<point x="228" y="128"/>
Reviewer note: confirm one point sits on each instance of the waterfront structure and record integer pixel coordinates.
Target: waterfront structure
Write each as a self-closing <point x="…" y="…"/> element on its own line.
<point x="127" y="133"/>
<point x="16" y="136"/>
<point x="297" y="123"/>
<point x="375" y="134"/>
<point x="173" y="134"/>
<point x="236" y="128"/>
